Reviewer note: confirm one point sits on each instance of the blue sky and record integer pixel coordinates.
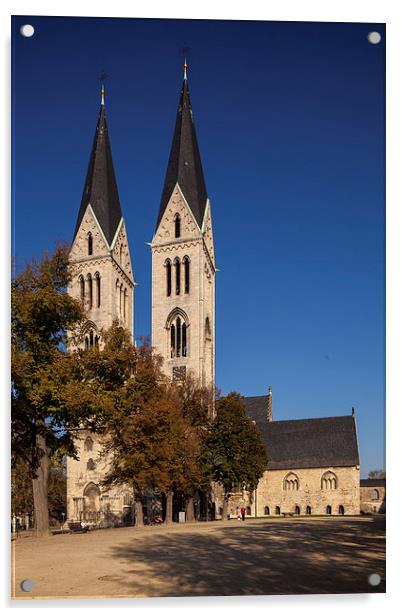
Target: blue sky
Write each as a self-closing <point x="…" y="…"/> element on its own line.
<point x="290" y="120"/>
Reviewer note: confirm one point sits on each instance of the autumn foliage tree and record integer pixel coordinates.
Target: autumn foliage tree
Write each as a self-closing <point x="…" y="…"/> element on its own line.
<point x="41" y="313"/>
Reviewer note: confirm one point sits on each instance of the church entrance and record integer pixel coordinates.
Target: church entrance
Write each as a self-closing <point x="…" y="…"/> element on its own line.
<point x="91" y="511"/>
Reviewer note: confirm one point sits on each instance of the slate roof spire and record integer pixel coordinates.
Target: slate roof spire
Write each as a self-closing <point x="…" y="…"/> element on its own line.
<point x="100" y="188"/>
<point x="184" y="166"/>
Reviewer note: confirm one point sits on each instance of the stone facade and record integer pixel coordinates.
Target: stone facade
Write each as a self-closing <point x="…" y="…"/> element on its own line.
<point x="372" y="496"/>
<point x="193" y="303"/>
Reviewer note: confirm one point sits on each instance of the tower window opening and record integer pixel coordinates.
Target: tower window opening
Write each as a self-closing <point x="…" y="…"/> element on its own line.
<point x="121" y="253"/>
<point x="177" y="268"/>
<point x="120" y="299"/>
<point x="207" y="329"/>
<point x="90" y="290"/>
<point x="168" y="278"/>
<point x="86" y="343"/>
<point x="90" y="244"/>
<point x="82" y="288"/>
<point x="172" y="341"/>
<point x="91" y="339"/>
<point x="178" y="336"/>
<point x="177" y="226"/>
<point x="88" y="445"/>
<point x="184" y="340"/>
<point x="186" y="262"/>
<point x="125" y="303"/>
<point x="98" y="290"/>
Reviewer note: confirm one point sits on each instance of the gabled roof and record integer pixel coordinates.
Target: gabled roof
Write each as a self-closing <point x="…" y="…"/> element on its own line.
<point x="100" y="188"/>
<point x="305" y="443"/>
<point x="184" y="166"/>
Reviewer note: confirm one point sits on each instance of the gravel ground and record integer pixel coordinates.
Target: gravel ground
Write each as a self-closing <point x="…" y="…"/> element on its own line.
<point x="256" y="557"/>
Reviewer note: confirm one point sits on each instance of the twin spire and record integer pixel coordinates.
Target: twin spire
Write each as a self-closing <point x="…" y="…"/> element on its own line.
<point x="184" y="168"/>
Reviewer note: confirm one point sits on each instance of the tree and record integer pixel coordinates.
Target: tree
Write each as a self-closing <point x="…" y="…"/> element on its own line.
<point x="41" y="314"/>
<point x="233" y="454"/>
<point x="377" y="474"/>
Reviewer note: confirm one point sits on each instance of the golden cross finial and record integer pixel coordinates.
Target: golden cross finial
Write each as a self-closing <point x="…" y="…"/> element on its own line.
<point x="185" y="68"/>
<point x="102" y="78"/>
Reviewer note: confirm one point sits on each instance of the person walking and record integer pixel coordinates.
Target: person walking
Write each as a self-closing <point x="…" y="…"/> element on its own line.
<point x="243" y="513"/>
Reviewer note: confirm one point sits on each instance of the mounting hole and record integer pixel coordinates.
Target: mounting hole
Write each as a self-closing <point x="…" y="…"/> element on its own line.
<point x="26" y="585"/>
<point x="374" y="38"/>
<point x="27" y="30"/>
<point x="374" y="579"/>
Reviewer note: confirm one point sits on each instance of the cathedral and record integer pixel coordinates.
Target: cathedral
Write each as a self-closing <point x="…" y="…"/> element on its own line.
<point x="313" y="464"/>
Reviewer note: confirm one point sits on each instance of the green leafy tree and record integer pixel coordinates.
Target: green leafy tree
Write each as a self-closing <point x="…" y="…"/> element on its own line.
<point x="233" y="454"/>
<point x="41" y="313"/>
<point x="377" y="474"/>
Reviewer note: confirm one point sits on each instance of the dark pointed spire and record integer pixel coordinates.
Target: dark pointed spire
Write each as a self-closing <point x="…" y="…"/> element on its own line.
<point x="100" y="188"/>
<point x="184" y="166"/>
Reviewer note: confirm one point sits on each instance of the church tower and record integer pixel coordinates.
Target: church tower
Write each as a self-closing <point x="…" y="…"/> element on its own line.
<point x="102" y="278"/>
<point x="183" y="262"/>
<point x="102" y="275"/>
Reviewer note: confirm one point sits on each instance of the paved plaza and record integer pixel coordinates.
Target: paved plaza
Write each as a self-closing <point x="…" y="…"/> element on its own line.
<point x="257" y="557"/>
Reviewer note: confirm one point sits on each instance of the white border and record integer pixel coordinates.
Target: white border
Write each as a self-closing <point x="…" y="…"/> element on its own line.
<point x="286" y="10"/>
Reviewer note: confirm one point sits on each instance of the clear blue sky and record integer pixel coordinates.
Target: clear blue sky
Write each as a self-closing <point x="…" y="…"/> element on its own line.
<point x="290" y="122"/>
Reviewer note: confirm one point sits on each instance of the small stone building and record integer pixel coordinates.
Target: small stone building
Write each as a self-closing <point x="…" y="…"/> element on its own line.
<point x="313" y="465"/>
<point x="372" y="495"/>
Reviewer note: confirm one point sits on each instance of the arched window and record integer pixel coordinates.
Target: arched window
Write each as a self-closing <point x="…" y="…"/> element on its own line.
<point x="277" y="510"/>
<point x="329" y="510"/>
<point x="88" y="444"/>
<point x="291" y="482"/>
<point x="177" y="277"/>
<point x="121" y="299"/>
<point x="121" y="253"/>
<point x="177" y="225"/>
<point x="96" y="342"/>
<point x="186" y="262"/>
<point x="90" y="243"/>
<point x="90" y="290"/>
<point x="308" y="510"/>
<point x="82" y="288"/>
<point x="172" y="340"/>
<point x="168" y="266"/>
<point x="98" y="289"/>
<point x="86" y="343"/>
<point x="90" y="465"/>
<point x="297" y="510"/>
<point x="266" y="510"/>
<point x="178" y="337"/>
<point x="184" y="340"/>
<point x="125" y="303"/>
<point x="118" y="296"/>
<point x="329" y="481"/>
<point x="375" y="495"/>
<point x="341" y="510"/>
<point x="91" y="339"/>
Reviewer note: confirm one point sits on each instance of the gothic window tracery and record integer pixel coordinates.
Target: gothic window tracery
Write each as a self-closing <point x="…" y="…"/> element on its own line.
<point x="90" y="290"/>
<point x="329" y="481"/>
<point x="178" y="334"/>
<point x="291" y="482"/>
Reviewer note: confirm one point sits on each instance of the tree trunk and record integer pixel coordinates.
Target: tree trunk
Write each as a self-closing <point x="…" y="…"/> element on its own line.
<point x="190" y="517"/>
<point x="40" y="489"/>
<point x="169" y="508"/>
<point x="225" y="507"/>
<point x="139" y="514"/>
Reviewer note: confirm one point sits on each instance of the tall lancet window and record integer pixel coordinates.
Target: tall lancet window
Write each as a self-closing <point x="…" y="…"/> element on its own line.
<point x="90" y="243"/>
<point x="90" y="290"/>
<point x="168" y="266"/>
<point x="177" y="270"/>
<point x="177" y="226"/>
<point x="125" y="303"/>
<point x="186" y="262"/>
<point x="98" y="289"/>
<point x="172" y="340"/>
<point x="178" y="336"/>
<point x="82" y="288"/>
<point x="184" y="340"/>
<point x="121" y="299"/>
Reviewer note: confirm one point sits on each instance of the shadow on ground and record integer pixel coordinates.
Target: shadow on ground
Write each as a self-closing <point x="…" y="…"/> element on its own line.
<point x="253" y="559"/>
